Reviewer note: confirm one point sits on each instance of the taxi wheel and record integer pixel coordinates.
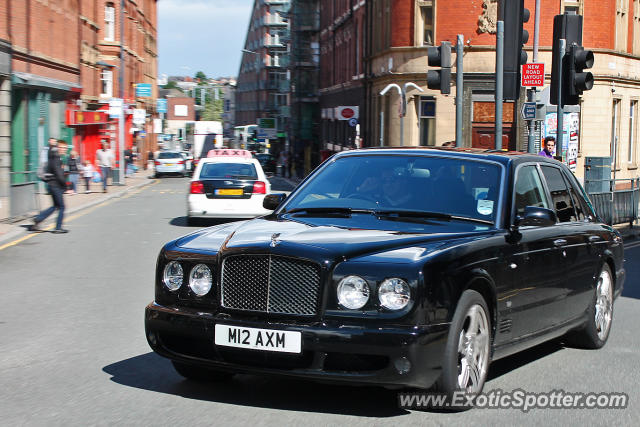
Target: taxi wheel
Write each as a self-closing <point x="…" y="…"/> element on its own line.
<point x="197" y="373"/>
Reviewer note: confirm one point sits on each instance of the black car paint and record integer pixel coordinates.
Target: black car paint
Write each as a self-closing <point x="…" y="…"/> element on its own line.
<point x="528" y="304"/>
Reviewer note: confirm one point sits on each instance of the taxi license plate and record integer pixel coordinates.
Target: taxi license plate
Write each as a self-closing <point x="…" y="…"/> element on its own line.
<point x="258" y="339"/>
<point x="168" y="164"/>
<point x="229" y="192"/>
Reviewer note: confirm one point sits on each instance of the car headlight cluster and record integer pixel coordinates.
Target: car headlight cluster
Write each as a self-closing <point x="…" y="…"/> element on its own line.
<point x="354" y="292"/>
<point x="200" y="278"/>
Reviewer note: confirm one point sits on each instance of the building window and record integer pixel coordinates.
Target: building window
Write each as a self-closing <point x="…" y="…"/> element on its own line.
<point x="106" y="78"/>
<point x="109" y="22"/>
<point x="622" y="9"/>
<point x="633" y="134"/>
<point x="573" y="6"/>
<point x="427" y="121"/>
<point x="424" y="23"/>
<point x="615" y="133"/>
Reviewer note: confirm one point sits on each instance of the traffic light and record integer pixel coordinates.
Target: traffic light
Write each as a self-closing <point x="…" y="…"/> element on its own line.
<point x="575" y="60"/>
<point x="514" y="15"/>
<point x="440" y="56"/>
<point x="579" y="80"/>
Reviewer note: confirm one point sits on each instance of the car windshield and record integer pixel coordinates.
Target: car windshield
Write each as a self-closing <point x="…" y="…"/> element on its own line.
<point x="411" y="186"/>
<point x="228" y="171"/>
<point x="169" y="156"/>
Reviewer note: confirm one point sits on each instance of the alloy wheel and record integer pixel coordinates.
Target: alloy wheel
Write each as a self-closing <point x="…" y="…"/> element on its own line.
<point x="473" y="350"/>
<point x="604" y="304"/>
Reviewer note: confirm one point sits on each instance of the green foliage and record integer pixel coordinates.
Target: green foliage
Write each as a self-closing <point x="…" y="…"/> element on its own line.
<point x="202" y="77"/>
<point x="172" y="85"/>
<point x="213" y="109"/>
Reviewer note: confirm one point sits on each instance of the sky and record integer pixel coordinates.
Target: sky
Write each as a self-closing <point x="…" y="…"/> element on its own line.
<point x="202" y="35"/>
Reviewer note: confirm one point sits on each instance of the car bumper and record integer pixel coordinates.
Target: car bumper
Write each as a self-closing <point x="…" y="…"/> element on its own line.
<point x="331" y="351"/>
<point x="170" y="169"/>
<point x="199" y="206"/>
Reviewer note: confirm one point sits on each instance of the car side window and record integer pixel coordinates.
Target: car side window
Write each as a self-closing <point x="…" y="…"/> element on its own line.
<point x="583" y="205"/>
<point x="560" y="197"/>
<point x="529" y="190"/>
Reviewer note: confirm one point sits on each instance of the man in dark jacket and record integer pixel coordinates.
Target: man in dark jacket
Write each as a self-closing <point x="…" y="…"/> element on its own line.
<point x="56" y="187"/>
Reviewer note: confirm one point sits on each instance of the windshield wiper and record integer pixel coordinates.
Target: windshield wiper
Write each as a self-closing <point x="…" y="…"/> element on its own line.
<point x="328" y="211"/>
<point x="400" y="214"/>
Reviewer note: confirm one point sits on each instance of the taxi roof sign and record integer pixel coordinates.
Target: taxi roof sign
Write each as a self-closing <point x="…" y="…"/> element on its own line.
<point x="229" y="152"/>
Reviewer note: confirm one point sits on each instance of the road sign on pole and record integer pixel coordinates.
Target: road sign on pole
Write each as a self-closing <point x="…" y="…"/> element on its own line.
<point x="528" y="111"/>
<point x="533" y="74"/>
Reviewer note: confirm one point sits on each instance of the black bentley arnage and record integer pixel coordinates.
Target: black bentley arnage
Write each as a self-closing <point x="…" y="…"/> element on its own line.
<point x="396" y="267"/>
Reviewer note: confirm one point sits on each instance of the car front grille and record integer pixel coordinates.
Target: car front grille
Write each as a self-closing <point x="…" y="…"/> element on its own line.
<point x="270" y="284"/>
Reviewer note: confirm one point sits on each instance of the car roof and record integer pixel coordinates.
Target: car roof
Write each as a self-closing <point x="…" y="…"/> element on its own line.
<point x="504" y="157"/>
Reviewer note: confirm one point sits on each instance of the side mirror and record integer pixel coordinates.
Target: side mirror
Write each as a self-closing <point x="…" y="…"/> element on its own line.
<point x="539" y="217"/>
<point x="272" y="201"/>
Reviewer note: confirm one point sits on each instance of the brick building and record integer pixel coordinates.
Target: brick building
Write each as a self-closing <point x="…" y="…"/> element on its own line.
<point x="400" y="31"/>
<point x="59" y="65"/>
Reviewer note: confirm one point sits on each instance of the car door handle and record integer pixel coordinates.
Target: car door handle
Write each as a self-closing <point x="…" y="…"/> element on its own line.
<point x="559" y="242"/>
<point x="593" y="239"/>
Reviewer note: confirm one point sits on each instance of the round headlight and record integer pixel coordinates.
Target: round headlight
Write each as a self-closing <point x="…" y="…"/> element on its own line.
<point x="353" y="292"/>
<point x="173" y="276"/>
<point x="394" y="294"/>
<point x="200" y="280"/>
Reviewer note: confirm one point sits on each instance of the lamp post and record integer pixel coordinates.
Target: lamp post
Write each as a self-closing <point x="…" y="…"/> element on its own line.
<point x="402" y="91"/>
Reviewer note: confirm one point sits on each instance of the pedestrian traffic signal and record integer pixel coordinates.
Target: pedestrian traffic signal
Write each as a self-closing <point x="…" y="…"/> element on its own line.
<point x="440" y="56"/>
<point x="579" y="80"/>
<point x="575" y="59"/>
<point x="514" y="15"/>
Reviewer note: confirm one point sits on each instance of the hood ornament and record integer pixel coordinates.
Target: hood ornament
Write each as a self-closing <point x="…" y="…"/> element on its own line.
<point x="274" y="240"/>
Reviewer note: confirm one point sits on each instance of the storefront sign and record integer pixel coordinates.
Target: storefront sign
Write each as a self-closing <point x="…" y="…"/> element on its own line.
<point x="76" y="118"/>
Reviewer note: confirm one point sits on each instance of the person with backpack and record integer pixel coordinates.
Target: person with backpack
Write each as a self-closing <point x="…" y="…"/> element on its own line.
<point x="56" y="186"/>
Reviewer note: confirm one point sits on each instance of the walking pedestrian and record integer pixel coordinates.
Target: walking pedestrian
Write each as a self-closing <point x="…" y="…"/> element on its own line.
<point x="56" y="186"/>
<point x="74" y="170"/>
<point x="128" y="161"/>
<point x="104" y="161"/>
<point x="87" y="174"/>
<point x="149" y="159"/>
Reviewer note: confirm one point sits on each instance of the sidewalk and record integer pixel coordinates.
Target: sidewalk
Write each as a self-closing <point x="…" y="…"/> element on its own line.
<point x="76" y="202"/>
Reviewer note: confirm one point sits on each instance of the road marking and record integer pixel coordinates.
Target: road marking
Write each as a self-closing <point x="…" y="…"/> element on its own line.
<point x="632" y="245"/>
<point x="78" y="215"/>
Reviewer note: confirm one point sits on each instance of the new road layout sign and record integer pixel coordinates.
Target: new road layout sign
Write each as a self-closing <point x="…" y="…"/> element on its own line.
<point x="533" y="74"/>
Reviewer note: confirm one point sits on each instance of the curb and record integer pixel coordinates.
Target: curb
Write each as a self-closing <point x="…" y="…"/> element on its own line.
<point x="20" y="230"/>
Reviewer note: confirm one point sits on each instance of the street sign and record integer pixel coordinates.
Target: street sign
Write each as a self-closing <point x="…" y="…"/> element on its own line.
<point x="139" y="116"/>
<point x="161" y="105"/>
<point x="143" y="90"/>
<point x="533" y="74"/>
<point x="347" y="113"/>
<point x="115" y="107"/>
<point x="267" y="128"/>
<point x="528" y="111"/>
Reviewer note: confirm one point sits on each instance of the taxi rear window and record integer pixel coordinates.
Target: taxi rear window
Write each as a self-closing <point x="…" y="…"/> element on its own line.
<point x="169" y="156"/>
<point x="228" y="171"/>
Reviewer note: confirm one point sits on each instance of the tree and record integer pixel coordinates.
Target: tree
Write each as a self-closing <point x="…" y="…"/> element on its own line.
<point x="202" y="77"/>
<point x="213" y="110"/>
<point x="172" y="85"/>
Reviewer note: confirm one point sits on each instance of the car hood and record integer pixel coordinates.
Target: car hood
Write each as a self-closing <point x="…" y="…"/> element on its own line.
<point x="300" y="238"/>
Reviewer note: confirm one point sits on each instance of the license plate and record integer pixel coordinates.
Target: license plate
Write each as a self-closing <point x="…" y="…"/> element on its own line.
<point x="259" y="339"/>
<point x="229" y="192"/>
<point x="168" y="164"/>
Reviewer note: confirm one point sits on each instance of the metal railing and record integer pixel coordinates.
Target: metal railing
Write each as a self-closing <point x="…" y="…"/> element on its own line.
<point x="619" y="205"/>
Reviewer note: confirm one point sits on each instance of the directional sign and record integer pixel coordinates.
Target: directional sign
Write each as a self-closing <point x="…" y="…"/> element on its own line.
<point x="143" y="90"/>
<point x="528" y="111"/>
<point x="115" y="107"/>
<point x="533" y="74"/>
<point x="161" y="105"/>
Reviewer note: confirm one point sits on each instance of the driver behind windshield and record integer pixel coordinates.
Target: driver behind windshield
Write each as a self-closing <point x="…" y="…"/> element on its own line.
<point x="390" y="189"/>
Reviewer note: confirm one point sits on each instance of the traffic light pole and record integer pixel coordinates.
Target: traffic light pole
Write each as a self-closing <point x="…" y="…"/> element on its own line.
<point x="531" y="145"/>
<point x="459" y="88"/>
<point x="560" y="113"/>
<point x="499" y="82"/>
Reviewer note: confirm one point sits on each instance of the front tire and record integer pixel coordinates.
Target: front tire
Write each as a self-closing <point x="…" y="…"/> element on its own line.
<point x="197" y="373"/>
<point x="467" y="352"/>
<point x="595" y="332"/>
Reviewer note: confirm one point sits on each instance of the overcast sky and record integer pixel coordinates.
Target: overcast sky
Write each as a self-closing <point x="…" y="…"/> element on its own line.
<point x="201" y="35"/>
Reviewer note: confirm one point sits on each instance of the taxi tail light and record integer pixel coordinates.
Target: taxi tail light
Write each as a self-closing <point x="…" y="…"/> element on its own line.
<point x="158" y="163"/>
<point x="259" y="187"/>
<point x="197" y="187"/>
<point x="181" y="162"/>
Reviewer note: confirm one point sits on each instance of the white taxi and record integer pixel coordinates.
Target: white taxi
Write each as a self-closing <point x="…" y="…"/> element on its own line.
<point x="227" y="185"/>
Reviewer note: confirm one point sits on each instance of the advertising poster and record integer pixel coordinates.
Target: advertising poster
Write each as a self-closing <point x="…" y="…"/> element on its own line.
<point x="571" y="125"/>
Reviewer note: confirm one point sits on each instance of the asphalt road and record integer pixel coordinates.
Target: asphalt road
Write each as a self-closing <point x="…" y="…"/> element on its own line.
<point x="73" y="350"/>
